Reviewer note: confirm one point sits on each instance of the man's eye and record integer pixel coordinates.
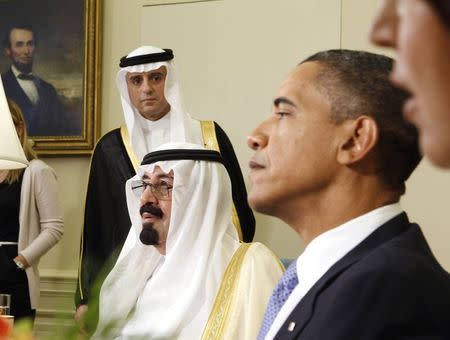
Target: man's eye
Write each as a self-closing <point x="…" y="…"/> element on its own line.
<point x="281" y="113"/>
<point x="167" y="184"/>
<point x="135" y="80"/>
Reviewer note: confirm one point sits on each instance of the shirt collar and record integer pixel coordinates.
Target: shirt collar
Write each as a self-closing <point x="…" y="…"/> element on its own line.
<point x="328" y="248"/>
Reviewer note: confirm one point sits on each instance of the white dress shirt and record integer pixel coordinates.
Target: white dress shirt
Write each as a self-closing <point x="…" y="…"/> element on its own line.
<point x="327" y="249"/>
<point x="27" y="85"/>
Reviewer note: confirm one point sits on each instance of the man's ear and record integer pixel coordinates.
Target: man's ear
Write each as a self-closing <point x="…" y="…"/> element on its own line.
<point x="360" y="135"/>
<point x="8" y="51"/>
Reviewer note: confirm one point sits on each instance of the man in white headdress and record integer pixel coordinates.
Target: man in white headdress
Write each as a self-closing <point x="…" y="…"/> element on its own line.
<point x="154" y="114"/>
<point x="183" y="273"/>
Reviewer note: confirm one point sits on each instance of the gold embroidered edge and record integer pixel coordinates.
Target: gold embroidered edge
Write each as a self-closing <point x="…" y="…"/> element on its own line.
<point x="219" y="314"/>
<point x="127" y="143"/>
<point x="210" y="142"/>
<point x="209" y="135"/>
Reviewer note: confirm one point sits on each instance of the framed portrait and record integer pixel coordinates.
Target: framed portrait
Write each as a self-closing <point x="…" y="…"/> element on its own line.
<point x="50" y="67"/>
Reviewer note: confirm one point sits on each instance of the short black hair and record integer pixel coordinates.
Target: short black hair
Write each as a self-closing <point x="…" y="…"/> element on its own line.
<point x="357" y="83"/>
<point x="442" y="7"/>
<point x="24" y="25"/>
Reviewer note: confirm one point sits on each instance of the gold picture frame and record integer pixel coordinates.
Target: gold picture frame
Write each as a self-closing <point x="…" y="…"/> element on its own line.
<point x="66" y="61"/>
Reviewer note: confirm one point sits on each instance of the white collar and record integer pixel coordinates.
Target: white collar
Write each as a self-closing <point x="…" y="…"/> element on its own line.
<point x="328" y="248"/>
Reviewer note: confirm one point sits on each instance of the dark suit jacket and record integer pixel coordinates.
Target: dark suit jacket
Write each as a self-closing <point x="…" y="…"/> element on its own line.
<point x="48" y="117"/>
<point x="389" y="287"/>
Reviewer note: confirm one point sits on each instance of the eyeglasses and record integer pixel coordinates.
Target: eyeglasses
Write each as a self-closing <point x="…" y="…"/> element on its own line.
<point x="159" y="190"/>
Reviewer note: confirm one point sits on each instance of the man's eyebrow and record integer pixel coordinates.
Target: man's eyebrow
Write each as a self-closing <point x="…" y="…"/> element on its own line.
<point x="158" y="176"/>
<point x="158" y="73"/>
<point x="133" y="75"/>
<point x="164" y="176"/>
<point x="283" y="100"/>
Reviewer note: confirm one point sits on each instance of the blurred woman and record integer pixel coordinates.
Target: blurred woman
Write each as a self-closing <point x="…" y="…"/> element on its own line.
<point x="420" y="32"/>
<point x="30" y="224"/>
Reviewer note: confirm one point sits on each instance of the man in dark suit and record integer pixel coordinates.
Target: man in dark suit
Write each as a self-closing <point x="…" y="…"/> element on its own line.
<point x="44" y="113"/>
<point x="332" y="161"/>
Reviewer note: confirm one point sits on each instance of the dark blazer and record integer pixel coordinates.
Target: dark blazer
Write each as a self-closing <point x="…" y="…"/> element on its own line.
<point x="389" y="287"/>
<point x="48" y="117"/>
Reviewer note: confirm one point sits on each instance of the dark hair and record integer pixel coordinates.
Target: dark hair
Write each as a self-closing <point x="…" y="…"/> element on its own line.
<point x="442" y="7"/>
<point x="357" y="83"/>
<point x="24" y="25"/>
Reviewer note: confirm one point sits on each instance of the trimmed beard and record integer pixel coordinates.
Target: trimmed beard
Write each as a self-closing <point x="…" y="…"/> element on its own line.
<point x="149" y="235"/>
<point x="24" y="68"/>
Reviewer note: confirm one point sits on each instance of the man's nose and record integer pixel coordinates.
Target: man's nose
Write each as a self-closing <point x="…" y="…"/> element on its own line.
<point x="383" y="31"/>
<point x="147" y="86"/>
<point x="27" y="49"/>
<point x="258" y="138"/>
<point x="148" y="196"/>
<point x="253" y="142"/>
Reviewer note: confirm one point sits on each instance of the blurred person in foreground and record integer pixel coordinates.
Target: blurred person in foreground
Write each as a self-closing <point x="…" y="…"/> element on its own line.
<point x="419" y="30"/>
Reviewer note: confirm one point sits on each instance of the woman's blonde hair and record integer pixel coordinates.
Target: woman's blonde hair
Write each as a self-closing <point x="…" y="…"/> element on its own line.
<point x="19" y="122"/>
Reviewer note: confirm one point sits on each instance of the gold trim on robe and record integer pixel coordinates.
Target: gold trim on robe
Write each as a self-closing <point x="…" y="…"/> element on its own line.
<point x="218" y="317"/>
<point x="210" y="142"/>
<point x="127" y="143"/>
<point x="246" y="287"/>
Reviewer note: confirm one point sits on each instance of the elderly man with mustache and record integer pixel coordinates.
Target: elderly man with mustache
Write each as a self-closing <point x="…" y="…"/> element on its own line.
<point x="183" y="273"/>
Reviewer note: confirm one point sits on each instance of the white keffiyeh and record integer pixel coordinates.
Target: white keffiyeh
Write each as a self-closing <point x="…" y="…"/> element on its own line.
<point x="179" y="127"/>
<point x="175" y="301"/>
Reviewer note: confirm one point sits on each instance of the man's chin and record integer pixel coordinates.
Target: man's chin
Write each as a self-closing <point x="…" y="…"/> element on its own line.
<point x="149" y="236"/>
<point x="24" y="68"/>
<point x="260" y="204"/>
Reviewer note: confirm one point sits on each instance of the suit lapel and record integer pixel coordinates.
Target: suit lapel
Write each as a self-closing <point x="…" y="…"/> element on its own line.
<point x="16" y="92"/>
<point x="302" y="314"/>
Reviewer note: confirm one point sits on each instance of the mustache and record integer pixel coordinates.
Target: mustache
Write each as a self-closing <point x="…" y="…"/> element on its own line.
<point x="151" y="209"/>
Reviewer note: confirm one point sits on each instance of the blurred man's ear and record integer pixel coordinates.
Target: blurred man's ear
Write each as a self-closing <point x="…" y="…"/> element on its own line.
<point x="359" y="137"/>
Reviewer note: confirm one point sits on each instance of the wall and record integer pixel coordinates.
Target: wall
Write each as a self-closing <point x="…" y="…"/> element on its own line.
<point x="260" y="41"/>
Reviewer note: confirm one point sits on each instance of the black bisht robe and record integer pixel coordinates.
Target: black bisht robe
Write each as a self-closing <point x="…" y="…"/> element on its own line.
<point x="106" y="220"/>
